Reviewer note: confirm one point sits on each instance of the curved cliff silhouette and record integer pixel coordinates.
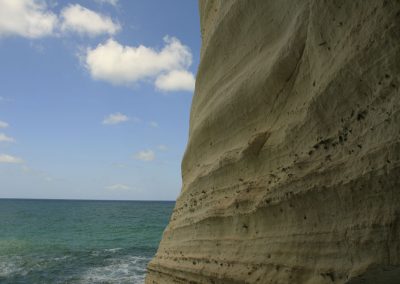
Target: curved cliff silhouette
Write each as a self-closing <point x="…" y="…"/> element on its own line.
<point x="292" y="171"/>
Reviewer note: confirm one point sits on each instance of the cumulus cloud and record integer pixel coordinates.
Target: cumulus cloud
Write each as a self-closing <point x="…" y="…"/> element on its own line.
<point x="81" y="20"/>
<point x="126" y="65"/>
<point x="26" y="18"/>
<point x="33" y="19"/>
<point x="3" y="124"/>
<point x="145" y="155"/>
<point x="118" y="186"/>
<point x="111" y="2"/>
<point x="176" y="80"/>
<point x="5" y="138"/>
<point x="8" y="159"/>
<point x="115" y="118"/>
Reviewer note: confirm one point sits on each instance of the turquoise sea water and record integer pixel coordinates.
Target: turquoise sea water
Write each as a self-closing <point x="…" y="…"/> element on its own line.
<point x="68" y="241"/>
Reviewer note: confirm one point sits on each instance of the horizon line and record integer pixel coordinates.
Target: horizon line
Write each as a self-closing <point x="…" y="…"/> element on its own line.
<point x="83" y="199"/>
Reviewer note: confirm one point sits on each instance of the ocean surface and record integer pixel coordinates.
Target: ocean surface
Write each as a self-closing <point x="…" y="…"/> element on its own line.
<point x="68" y="241"/>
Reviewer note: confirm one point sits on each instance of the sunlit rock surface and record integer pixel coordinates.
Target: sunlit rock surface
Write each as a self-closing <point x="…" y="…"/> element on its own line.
<point x="292" y="171"/>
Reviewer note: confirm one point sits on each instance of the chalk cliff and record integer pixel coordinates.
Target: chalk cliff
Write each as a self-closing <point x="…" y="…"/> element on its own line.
<point x="292" y="170"/>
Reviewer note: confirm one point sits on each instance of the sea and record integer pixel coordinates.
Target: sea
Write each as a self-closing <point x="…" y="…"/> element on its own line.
<point x="79" y="241"/>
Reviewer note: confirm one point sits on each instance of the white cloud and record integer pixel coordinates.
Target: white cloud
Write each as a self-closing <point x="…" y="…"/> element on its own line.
<point x="176" y="80"/>
<point x="5" y="138"/>
<point x="153" y="124"/>
<point x="162" y="147"/>
<point x="8" y="159"/>
<point x="115" y="118"/>
<point x="3" y="124"/>
<point x="145" y="155"/>
<point x="126" y="65"/>
<point x="111" y="2"/>
<point x="81" y="20"/>
<point x="33" y="19"/>
<point x="118" y="186"/>
<point x="26" y="18"/>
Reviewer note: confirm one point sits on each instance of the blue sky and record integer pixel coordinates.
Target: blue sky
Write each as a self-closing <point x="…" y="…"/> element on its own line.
<point x="95" y="97"/>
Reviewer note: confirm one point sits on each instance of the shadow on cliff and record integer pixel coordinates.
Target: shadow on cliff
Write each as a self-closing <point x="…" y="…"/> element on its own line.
<point x="378" y="275"/>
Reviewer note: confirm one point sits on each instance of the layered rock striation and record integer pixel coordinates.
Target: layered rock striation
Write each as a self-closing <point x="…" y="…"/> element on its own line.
<point x="292" y="170"/>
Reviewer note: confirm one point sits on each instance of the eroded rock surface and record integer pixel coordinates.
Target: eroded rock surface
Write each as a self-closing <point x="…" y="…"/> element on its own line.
<point x="292" y="171"/>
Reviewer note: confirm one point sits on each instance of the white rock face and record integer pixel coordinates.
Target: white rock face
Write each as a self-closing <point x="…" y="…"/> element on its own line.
<point x="292" y="170"/>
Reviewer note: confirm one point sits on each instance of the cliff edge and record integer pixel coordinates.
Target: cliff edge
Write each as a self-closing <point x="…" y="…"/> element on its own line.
<point x="292" y="170"/>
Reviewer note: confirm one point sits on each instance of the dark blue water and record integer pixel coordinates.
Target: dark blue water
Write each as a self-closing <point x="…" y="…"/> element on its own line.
<point x="66" y="241"/>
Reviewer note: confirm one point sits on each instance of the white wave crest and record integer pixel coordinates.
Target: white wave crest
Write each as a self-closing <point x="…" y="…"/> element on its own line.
<point x="128" y="269"/>
<point x="10" y="266"/>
